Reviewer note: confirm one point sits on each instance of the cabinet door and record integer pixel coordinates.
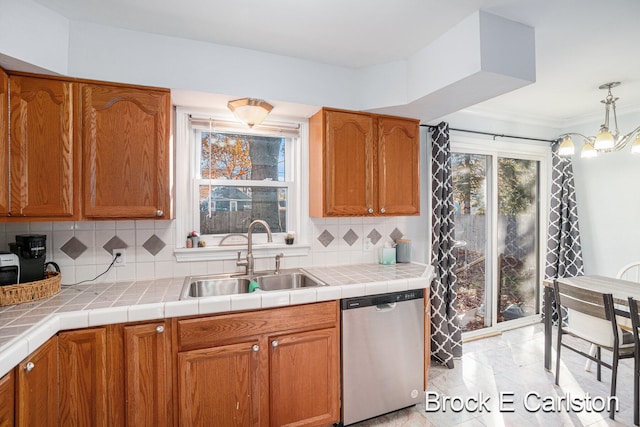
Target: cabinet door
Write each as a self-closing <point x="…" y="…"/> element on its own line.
<point x="37" y="387"/>
<point x="83" y="377"/>
<point x="4" y="143"/>
<point x="7" y="400"/>
<point x="221" y="384"/>
<point x="349" y="162"/>
<point x="42" y="149"/>
<point x="125" y="134"/>
<point x="304" y="378"/>
<point x="147" y="374"/>
<point x="398" y="167"/>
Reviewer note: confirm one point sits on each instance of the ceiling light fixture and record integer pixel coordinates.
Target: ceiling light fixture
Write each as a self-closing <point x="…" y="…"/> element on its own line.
<point x="250" y="110"/>
<point x="606" y="140"/>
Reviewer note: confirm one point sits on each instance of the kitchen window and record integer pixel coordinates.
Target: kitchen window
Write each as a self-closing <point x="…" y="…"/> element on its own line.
<point x="239" y="174"/>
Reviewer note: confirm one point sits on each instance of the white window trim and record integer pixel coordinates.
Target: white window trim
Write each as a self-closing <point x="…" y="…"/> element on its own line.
<point x="296" y="162"/>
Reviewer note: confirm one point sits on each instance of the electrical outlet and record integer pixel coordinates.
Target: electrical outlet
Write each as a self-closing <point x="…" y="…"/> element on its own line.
<point x="121" y="261"/>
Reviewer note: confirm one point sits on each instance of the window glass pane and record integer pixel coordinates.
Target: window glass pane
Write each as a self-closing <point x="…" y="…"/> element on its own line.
<point x="517" y="238"/>
<point x="240" y="157"/>
<point x="230" y="209"/>
<point x="469" y="176"/>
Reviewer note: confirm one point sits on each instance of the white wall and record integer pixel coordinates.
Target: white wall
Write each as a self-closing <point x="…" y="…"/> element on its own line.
<point x="608" y="200"/>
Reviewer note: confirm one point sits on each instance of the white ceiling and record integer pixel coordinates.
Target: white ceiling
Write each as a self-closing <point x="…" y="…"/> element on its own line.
<point x="580" y="44"/>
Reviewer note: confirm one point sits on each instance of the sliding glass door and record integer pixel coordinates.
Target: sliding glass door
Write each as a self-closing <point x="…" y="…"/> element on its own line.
<point x="498" y="223"/>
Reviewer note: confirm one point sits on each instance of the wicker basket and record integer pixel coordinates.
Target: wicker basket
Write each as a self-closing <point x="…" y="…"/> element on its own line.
<point x="30" y="291"/>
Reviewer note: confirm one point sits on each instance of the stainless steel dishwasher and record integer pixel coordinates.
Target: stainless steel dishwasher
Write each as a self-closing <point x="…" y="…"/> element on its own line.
<point x="382" y="354"/>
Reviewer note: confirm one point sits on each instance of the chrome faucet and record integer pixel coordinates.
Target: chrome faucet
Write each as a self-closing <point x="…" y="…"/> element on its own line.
<point x="248" y="261"/>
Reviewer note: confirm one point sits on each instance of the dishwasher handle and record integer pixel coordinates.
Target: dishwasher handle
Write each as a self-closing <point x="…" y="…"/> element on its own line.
<point x="386" y="307"/>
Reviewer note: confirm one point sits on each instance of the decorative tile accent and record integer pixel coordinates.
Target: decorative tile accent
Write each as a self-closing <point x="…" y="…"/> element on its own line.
<point x="374" y="236"/>
<point x="73" y="248"/>
<point x="114" y="243"/>
<point x="154" y="245"/>
<point x="326" y="238"/>
<point x="350" y="237"/>
<point x="396" y="234"/>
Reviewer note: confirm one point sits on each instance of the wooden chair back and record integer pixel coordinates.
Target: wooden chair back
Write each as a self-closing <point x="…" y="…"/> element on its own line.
<point x="630" y="272"/>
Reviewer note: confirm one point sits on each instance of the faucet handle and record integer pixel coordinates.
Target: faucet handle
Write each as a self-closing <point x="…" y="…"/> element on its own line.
<point x="241" y="262"/>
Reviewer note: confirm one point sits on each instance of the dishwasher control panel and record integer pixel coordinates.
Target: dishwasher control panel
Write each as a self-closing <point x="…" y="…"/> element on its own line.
<point x="369" y="300"/>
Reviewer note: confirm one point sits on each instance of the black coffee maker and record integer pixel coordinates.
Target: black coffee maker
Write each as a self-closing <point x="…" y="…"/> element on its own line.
<point x="31" y="250"/>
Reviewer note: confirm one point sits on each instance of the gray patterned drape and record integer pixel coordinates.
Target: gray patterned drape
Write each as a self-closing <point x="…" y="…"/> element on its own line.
<point x="446" y="336"/>
<point x="564" y="251"/>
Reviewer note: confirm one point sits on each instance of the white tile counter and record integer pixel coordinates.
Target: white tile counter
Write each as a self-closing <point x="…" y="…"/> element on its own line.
<point x="25" y="327"/>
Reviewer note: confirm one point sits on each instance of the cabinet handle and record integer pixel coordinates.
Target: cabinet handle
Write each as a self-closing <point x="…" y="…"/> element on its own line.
<point x="255" y="347"/>
<point x="382" y="210"/>
<point x="274" y="343"/>
<point x="29" y="366"/>
<point x="159" y="329"/>
<point x="159" y="212"/>
<point x="370" y="210"/>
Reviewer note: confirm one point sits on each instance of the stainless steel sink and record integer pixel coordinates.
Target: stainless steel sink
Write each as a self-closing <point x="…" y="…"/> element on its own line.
<point x="230" y="284"/>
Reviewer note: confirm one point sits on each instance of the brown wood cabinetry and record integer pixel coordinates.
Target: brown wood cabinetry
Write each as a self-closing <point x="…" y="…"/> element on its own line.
<point x="83" y="377"/>
<point x="7" y="400"/>
<point x="269" y="368"/>
<point x="125" y="137"/>
<point x="37" y="387"/>
<point x="43" y="155"/>
<point x="4" y="143"/>
<point x="363" y="164"/>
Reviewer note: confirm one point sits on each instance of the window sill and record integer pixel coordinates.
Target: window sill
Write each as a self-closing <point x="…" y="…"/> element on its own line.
<point x="260" y="250"/>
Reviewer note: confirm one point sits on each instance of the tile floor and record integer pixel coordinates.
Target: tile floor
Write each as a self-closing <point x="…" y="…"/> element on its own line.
<point x="513" y="363"/>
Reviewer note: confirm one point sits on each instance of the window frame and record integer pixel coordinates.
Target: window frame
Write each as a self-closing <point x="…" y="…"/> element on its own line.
<point x="186" y="185"/>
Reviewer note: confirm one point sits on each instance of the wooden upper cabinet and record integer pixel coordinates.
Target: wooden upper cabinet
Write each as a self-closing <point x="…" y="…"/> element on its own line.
<point x="83" y="377"/>
<point x="4" y="143"/>
<point x="125" y="137"/>
<point x="363" y="164"/>
<point x="42" y="150"/>
<point x="37" y="387"/>
<point x="398" y="166"/>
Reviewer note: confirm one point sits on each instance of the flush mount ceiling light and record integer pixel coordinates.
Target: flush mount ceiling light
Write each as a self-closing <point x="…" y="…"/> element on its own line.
<point x="249" y="110"/>
<point x="606" y="140"/>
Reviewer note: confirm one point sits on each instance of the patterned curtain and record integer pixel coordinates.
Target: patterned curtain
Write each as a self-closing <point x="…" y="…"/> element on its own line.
<point x="564" y="251"/>
<point x="446" y="336"/>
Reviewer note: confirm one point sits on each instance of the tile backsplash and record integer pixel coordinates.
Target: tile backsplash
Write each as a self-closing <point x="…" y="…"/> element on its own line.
<point x="83" y="249"/>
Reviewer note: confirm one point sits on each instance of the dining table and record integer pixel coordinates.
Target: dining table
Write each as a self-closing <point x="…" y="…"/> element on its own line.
<point x="620" y="289"/>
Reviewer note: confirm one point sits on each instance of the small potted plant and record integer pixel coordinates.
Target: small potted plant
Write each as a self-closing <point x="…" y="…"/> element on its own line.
<point x="193" y="239"/>
<point x="288" y="239"/>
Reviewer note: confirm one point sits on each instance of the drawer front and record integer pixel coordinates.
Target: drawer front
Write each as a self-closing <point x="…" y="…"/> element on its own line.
<point x="224" y="329"/>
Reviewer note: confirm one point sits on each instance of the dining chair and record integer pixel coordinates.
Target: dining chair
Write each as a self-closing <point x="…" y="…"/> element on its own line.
<point x="635" y="324"/>
<point x="592" y="318"/>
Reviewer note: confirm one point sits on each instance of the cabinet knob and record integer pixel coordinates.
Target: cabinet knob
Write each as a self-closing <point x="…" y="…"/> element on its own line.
<point x="274" y="343"/>
<point x="370" y="210"/>
<point x="160" y="329"/>
<point x="29" y="366"/>
<point x="382" y="210"/>
<point x="159" y="212"/>
<point x="255" y="347"/>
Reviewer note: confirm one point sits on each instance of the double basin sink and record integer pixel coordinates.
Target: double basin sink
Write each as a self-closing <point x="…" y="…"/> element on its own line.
<point x="233" y="284"/>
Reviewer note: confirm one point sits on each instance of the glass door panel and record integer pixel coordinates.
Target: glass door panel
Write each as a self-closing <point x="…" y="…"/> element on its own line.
<point x="518" y="231"/>
<point x="469" y="172"/>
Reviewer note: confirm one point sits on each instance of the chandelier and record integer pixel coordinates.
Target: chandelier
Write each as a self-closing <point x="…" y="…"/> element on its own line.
<point x="607" y="140"/>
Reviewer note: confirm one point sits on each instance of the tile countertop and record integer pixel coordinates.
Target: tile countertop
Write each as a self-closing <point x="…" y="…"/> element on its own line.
<point x="25" y="327"/>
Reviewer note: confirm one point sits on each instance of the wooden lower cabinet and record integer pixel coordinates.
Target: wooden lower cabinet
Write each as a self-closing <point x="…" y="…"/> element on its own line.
<point x="37" y="387"/>
<point x="303" y="370"/>
<point x="276" y="367"/>
<point x="83" y="377"/>
<point x="7" y="400"/>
